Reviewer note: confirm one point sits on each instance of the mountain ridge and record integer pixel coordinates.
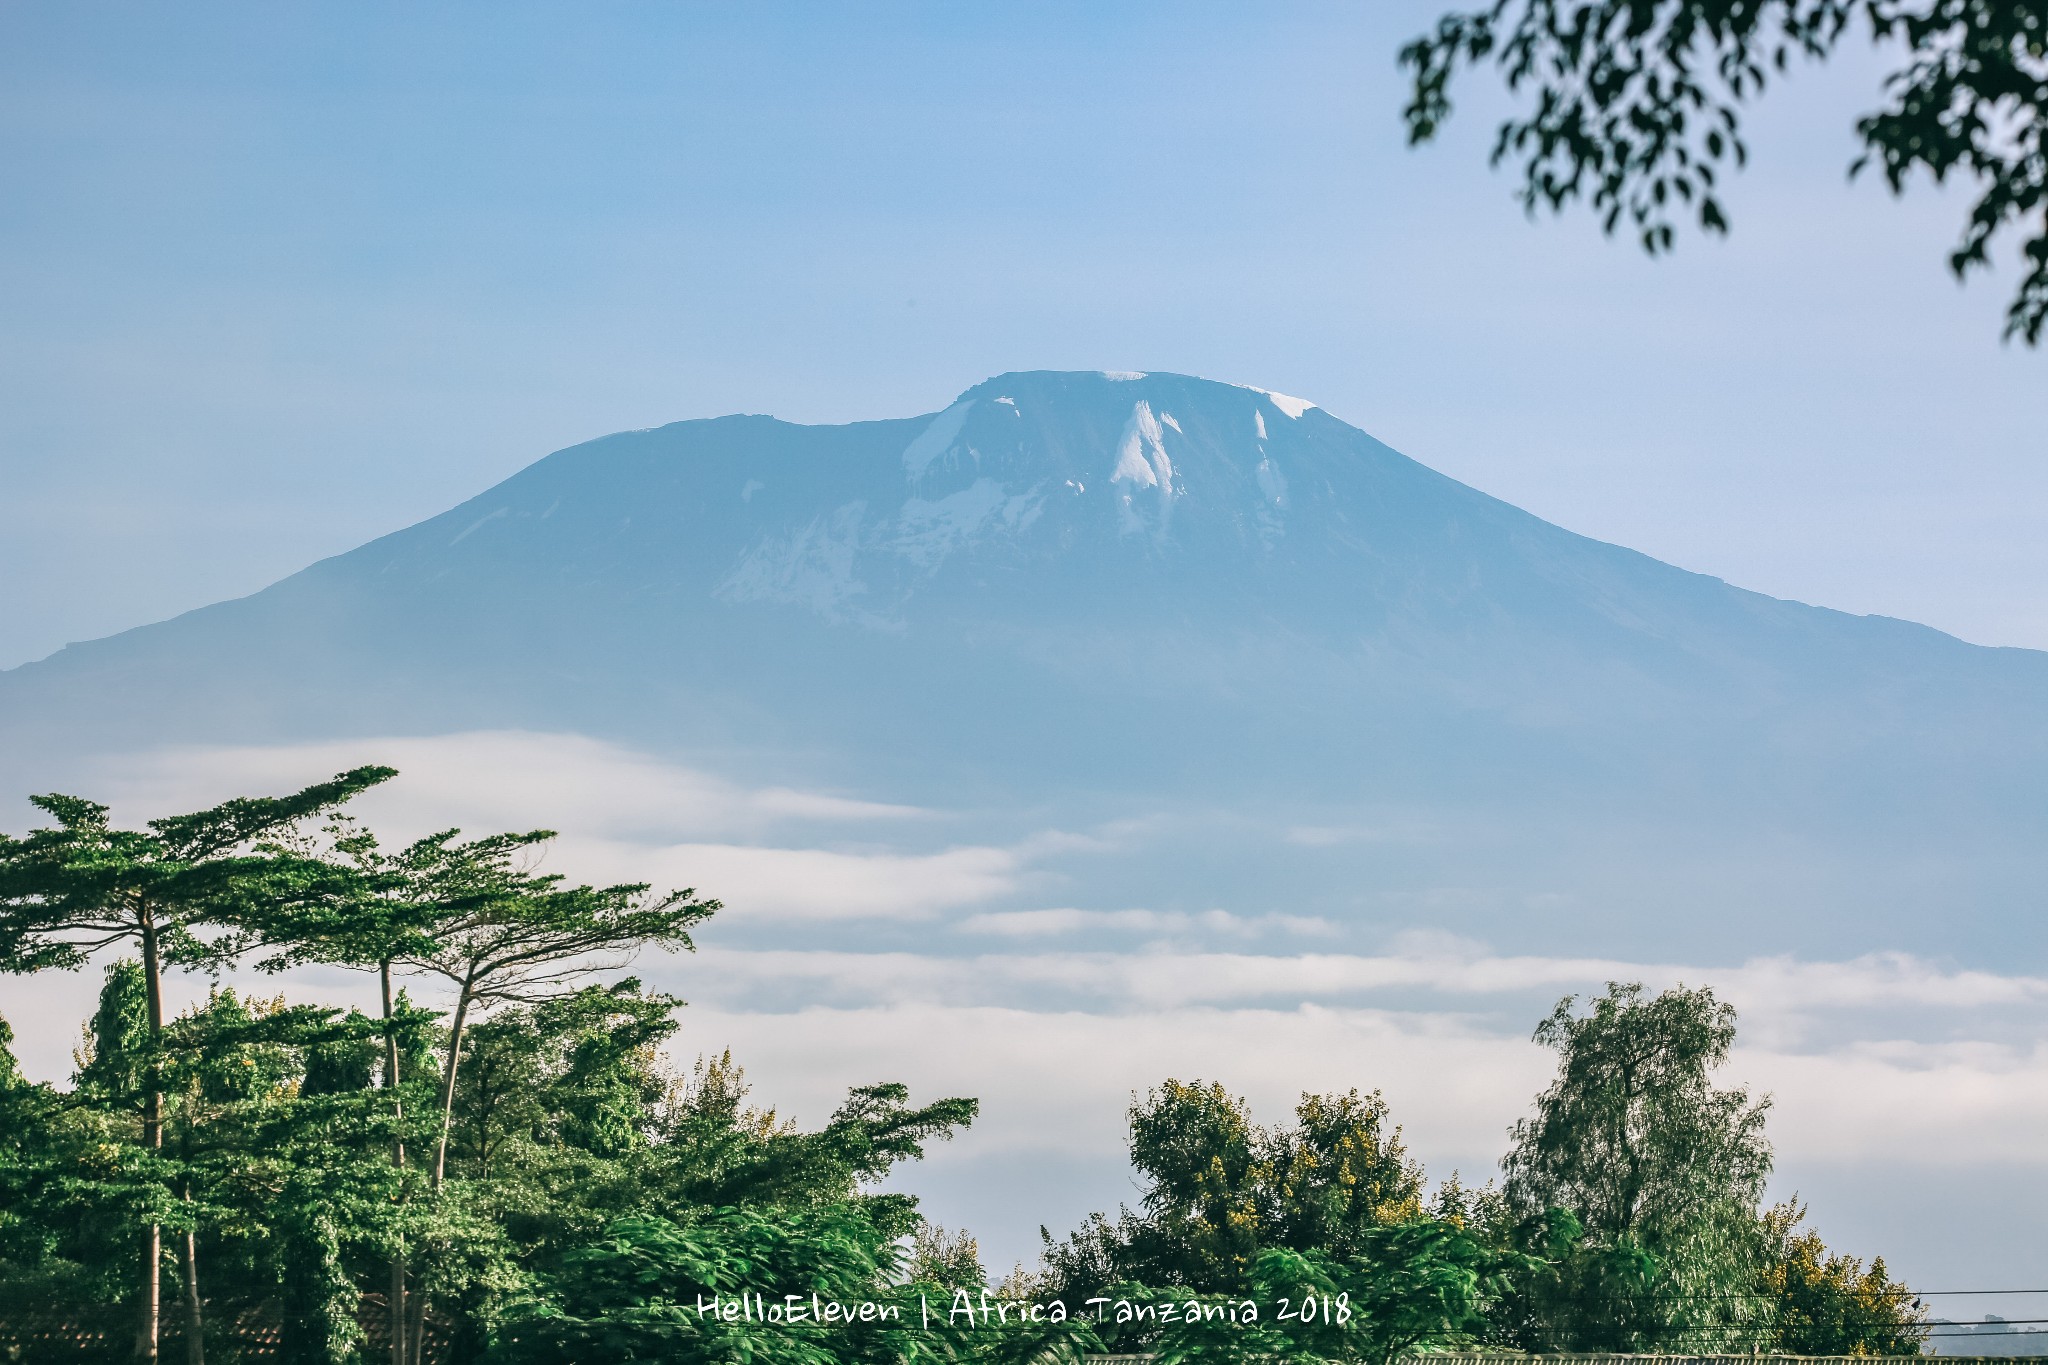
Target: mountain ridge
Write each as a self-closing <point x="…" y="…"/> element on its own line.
<point x="1076" y="587"/>
<point x="923" y="426"/>
<point x="829" y="547"/>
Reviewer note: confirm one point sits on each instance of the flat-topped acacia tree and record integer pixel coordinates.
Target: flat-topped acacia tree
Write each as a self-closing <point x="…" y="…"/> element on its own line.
<point x="180" y="891"/>
<point x="507" y="934"/>
<point x="501" y="932"/>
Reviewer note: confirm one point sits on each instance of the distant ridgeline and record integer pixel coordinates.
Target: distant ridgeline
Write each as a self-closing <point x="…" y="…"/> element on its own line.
<point x="1108" y="592"/>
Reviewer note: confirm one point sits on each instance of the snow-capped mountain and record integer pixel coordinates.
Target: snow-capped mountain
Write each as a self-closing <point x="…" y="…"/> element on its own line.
<point x="1088" y="592"/>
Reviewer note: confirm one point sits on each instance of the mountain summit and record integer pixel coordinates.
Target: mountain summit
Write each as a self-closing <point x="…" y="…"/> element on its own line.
<point x="1117" y="587"/>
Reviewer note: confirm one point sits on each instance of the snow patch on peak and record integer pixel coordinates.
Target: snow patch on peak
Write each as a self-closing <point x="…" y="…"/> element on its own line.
<point x="1141" y="453"/>
<point x="1122" y="376"/>
<point x="1290" y="406"/>
<point x="1259" y="421"/>
<point x="810" y="566"/>
<point x="1167" y="418"/>
<point x="1011" y="401"/>
<point x="936" y="439"/>
<point x="928" y="532"/>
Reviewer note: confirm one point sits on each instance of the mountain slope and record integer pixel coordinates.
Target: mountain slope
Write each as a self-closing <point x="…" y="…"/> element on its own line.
<point x="1118" y="587"/>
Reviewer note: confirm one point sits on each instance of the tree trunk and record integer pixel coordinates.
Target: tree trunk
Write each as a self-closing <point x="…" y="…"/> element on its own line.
<point x="418" y="1346"/>
<point x="395" y="1311"/>
<point x="416" y="1326"/>
<point x="395" y="1300"/>
<point x="1632" y="1182"/>
<point x="195" y="1322"/>
<point x="145" y="1328"/>
<point x="152" y="1140"/>
<point x="448" y="1084"/>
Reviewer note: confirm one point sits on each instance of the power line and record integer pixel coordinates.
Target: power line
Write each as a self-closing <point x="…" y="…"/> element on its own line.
<point x="1937" y="1326"/>
<point x="1893" y="1287"/>
<point x="1960" y="1336"/>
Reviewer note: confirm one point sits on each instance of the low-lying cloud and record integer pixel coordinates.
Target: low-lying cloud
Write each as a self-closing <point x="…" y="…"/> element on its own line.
<point x="865" y="941"/>
<point x="488" y="780"/>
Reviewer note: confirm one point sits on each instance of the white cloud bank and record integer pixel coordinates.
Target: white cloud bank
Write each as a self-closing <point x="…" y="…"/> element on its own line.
<point x="1885" y="1062"/>
<point x="1928" y="1154"/>
<point x="1783" y="1001"/>
<point x="1062" y="1079"/>
<point x="621" y="816"/>
<point x="496" y="779"/>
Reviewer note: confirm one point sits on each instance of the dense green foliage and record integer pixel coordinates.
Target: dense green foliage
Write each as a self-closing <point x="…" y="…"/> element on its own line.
<point x="1826" y="1304"/>
<point x="1663" y="1173"/>
<point x="1220" y="1190"/>
<point x="1630" y="1218"/>
<point x="523" y="1179"/>
<point x="1637" y="105"/>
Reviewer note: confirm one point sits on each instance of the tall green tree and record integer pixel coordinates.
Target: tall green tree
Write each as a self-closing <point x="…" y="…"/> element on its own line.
<point x="213" y="1067"/>
<point x="79" y="886"/>
<point x="278" y="1143"/>
<point x="1637" y="106"/>
<point x="515" y="935"/>
<point x="1660" y="1175"/>
<point x="1219" y="1189"/>
<point x="385" y="909"/>
<point x="512" y="935"/>
<point x="1327" y="1208"/>
<point x="122" y="1072"/>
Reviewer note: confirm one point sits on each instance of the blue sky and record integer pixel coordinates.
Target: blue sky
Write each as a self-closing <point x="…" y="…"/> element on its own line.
<point x="280" y="279"/>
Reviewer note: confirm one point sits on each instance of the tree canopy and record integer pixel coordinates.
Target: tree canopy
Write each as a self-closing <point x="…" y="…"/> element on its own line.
<point x="1661" y="1174"/>
<point x="1637" y="107"/>
<point x="182" y="892"/>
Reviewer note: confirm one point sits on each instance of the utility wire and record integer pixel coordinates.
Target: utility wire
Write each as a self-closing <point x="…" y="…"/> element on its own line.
<point x="1894" y="1287"/>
